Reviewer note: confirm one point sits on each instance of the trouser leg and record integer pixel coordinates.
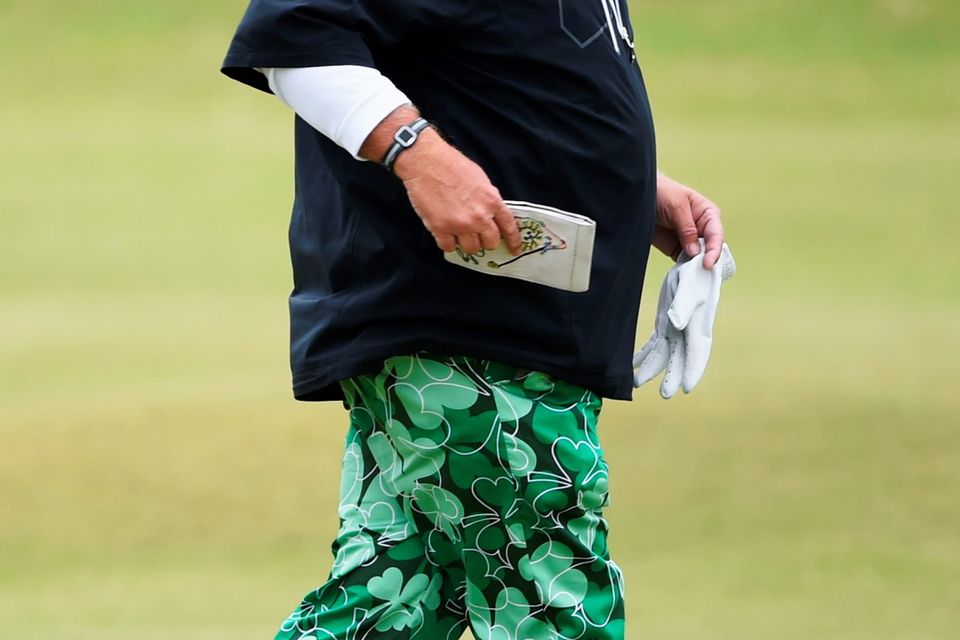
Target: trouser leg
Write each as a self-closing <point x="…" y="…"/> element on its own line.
<point x="469" y="488"/>
<point x="382" y="585"/>
<point x="505" y="468"/>
<point x="533" y="479"/>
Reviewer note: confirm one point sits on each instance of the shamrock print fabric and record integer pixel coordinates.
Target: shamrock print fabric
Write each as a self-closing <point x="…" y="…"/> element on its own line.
<point x="471" y="494"/>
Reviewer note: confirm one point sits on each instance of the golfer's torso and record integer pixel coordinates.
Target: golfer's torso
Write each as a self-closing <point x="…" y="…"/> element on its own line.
<point x="537" y="92"/>
<point x="553" y="107"/>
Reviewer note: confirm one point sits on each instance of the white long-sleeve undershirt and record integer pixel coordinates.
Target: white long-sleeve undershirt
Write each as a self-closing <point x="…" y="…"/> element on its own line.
<point x="343" y="102"/>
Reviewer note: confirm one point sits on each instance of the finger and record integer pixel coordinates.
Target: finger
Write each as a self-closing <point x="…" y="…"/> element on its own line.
<point x="683" y="222"/>
<point x="713" y="236"/>
<point x="446" y="241"/>
<point x="710" y="226"/>
<point x="508" y="228"/>
<point x="671" y="381"/>
<point x="490" y="236"/>
<point x="469" y="242"/>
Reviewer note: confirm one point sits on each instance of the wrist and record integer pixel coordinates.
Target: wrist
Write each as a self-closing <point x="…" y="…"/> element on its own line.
<point x="428" y="147"/>
<point x="375" y="147"/>
<point x="403" y="140"/>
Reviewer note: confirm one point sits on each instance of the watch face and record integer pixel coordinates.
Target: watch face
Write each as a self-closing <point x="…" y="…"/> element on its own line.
<point x="405" y="136"/>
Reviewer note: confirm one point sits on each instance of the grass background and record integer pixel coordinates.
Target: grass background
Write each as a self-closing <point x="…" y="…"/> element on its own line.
<point x="157" y="480"/>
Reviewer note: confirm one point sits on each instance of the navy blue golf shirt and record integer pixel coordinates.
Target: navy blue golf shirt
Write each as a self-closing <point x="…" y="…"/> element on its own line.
<point x="545" y="96"/>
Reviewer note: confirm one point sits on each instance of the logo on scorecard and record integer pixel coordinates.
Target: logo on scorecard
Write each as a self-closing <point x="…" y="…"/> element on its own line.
<point x="536" y="238"/>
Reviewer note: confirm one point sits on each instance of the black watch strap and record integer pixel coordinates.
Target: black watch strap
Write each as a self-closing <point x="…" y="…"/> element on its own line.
<point x="405" y="137"/>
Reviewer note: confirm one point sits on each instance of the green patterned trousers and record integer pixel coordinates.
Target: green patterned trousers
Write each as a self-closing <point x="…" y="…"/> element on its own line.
<point x="472" y="494"/>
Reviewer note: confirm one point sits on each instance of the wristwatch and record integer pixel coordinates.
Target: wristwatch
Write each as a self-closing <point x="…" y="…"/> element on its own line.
<point x="405" y="137"/>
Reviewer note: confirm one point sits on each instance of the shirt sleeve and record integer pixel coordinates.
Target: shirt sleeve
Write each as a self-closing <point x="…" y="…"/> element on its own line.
<point x="343" y="102"/>
<point x="314" y="33"/>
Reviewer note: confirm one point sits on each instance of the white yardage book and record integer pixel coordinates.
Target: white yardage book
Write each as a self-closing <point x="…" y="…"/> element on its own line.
<point x="556" y="250"/>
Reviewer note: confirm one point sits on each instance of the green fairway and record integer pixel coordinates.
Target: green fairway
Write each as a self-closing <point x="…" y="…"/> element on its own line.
<point x="159" y="482"/>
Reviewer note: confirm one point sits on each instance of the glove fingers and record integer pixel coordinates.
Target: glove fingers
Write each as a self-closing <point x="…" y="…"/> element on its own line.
<point x="648" y="346"/>
<point x="672" y="380"/>
<point x="728" y="266"/>
<point x="699" y="337"/>
<point x="667" y="292"/>
<point x="697" y="354"/>
<point x="651" y="360"/>
<point x="693" y="286"/>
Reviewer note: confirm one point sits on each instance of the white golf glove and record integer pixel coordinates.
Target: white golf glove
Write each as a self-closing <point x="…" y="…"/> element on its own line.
<point x="683" y="333"/>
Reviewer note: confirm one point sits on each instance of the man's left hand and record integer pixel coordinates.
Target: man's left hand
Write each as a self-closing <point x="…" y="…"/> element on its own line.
<point x="684" y="216"/>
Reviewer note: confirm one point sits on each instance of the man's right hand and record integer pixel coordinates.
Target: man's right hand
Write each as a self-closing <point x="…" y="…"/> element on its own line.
<point x="452" y="195"/>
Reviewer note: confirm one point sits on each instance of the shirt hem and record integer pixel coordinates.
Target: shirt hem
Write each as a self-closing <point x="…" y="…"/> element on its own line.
<point x="321" y="382"/>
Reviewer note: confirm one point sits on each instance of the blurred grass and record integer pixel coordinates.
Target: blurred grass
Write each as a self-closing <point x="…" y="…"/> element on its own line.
<point x="158" y="481"/>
